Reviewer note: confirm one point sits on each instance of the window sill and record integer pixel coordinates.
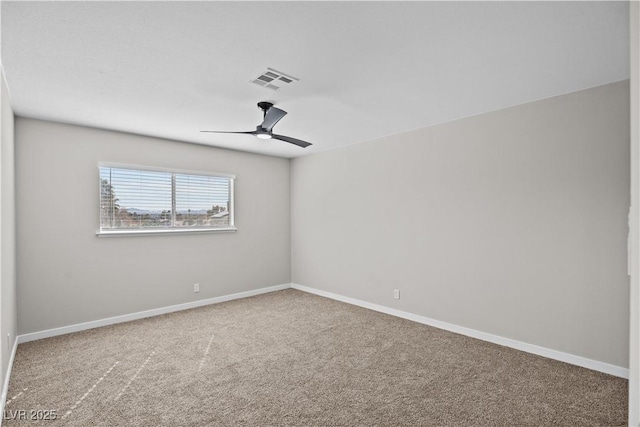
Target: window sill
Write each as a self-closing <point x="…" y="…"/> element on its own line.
<point x="139" y="232"/>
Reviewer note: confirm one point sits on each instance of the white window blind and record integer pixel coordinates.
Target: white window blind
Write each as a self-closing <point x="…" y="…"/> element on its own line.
<point x="140" y="199"/>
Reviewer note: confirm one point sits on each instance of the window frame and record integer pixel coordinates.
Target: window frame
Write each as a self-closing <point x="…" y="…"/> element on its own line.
<point x="167" y="231"/>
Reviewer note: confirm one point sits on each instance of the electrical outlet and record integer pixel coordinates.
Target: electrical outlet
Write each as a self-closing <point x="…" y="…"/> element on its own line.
<point x="196" y="287"/>
<point x="396" y="293"/>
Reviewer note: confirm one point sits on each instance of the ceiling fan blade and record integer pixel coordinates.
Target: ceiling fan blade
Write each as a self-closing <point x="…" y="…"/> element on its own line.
<point x="290" y="140"/>
<point x="253" y="132"/>
<point x="271" y="117"/>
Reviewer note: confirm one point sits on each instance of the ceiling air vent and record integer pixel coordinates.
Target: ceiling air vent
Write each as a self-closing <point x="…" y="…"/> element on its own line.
<point x="274" y="80"/>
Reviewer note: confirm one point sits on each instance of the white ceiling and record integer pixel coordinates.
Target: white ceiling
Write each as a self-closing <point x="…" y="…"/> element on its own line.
<point x="366" y="69"/>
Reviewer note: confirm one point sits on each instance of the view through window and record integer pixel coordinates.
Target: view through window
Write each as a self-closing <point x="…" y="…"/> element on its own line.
<point x="133" y="199"/>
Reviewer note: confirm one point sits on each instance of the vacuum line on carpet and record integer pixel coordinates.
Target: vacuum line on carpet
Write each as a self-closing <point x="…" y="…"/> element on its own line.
<point x="75" y="405"/>
<point x="15" y="397"/>
<point x="205" y="354"/>
<point x="135" y="375"/>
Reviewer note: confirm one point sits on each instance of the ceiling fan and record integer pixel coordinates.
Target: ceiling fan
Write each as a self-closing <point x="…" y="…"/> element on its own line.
<point x="271" y="116"/>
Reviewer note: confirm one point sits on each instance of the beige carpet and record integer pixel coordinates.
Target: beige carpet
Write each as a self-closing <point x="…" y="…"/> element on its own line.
<point x="291" y="358"/>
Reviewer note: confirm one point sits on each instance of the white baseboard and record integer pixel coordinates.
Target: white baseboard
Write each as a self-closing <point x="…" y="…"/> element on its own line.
<point x="507" y="342"/>
<point x="496" y="339"/>
<point x="5" y="386"/>
<point x="142" y="314"/>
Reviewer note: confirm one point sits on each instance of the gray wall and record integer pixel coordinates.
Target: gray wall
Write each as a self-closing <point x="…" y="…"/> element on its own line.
<point x="68" y="275"/>
<point x="512" y="222"/>
<point x="634" y="294"/>
<point x="8" y="318"/>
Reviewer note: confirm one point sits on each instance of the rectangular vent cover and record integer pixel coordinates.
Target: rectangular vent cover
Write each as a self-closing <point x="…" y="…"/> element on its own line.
<point x="274" y="80"/>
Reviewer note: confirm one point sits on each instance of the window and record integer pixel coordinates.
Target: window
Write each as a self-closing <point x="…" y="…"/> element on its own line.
<point x="143" y="200"/>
